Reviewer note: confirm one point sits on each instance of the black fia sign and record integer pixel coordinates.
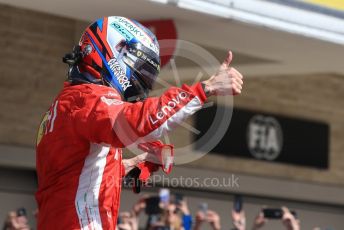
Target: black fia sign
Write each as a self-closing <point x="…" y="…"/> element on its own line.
<point x="270" y="137"/>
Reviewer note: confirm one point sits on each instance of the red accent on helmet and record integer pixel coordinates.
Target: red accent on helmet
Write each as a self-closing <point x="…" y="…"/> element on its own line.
<point x="92" y="62"/>
<point x="88" y="62"/>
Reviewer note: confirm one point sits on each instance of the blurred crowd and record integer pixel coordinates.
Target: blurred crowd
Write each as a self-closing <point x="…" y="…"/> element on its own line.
<point x="17" y="220"/>
<point x="165" y="212"/>
<point x="171" y="212"/>
<point x="288" y="220"/>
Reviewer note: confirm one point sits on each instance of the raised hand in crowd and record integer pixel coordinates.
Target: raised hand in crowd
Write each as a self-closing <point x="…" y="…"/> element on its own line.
<point x="127" y="221"/>
<point x="16" y="222"/>
<point x="210" y="217"/>
<point x="289" y="220"/>
<point x="259" y="221"/>
<point x="239" y="220"/>
<point x="139" y="206"/>
<point x="182" y="206"/>
<point x="214" y="220"/>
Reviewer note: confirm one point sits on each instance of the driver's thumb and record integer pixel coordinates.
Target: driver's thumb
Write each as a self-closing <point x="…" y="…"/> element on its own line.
<point x="228" y="59"/>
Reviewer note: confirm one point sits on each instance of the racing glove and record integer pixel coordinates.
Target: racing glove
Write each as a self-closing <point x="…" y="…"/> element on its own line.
<point x="163" y="159"/>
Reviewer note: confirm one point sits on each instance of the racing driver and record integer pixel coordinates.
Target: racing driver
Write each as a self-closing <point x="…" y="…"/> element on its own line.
<point x="104" y="107"/>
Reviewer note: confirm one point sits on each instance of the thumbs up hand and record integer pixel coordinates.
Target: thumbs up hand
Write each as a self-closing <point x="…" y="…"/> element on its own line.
<point x="227" y="81"/>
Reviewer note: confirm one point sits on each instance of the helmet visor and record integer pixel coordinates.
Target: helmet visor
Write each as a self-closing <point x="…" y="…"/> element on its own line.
<point x="146" y="67"/>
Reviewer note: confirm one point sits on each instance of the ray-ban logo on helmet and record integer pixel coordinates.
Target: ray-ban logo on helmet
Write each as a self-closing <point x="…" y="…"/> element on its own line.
<point x="119" y="73"/>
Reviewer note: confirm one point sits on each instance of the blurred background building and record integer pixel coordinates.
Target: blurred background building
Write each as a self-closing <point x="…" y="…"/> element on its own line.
<point x="290" y="52"/>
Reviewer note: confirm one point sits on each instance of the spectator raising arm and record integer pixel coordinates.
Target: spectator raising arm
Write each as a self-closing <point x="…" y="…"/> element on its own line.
<point x="187" y="218"/>
<point x="259" y="221"/>
<point x="15" y="222"/>
<point x="239" y="220"/>
<point x="289" y="220"/>
<point x="211" y="217"/>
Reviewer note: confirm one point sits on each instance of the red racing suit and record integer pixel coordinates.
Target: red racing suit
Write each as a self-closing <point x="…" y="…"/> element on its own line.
<point x="79" y="157"/>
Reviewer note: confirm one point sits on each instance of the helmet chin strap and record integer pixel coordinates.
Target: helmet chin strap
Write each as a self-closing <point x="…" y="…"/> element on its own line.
<point x="76" y="77"/>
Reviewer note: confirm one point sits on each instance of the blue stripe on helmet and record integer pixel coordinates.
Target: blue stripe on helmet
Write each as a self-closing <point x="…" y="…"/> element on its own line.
<point x="100" y="24"/>
<point x="128" y="72"/>
<point x="113" y="80"/>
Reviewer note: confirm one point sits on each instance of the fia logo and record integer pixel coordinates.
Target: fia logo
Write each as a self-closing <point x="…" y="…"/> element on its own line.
<point x="264" y="137"/>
